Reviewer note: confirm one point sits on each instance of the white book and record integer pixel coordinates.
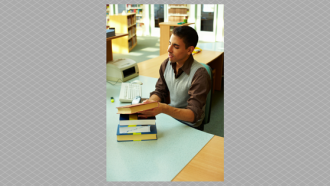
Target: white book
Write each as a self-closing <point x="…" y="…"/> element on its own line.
<point x="133" y="119"/>
<point x="137" y="129"/>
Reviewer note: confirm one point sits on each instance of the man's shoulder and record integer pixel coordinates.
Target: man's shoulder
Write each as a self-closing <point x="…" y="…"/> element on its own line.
<point x="201" y="69"/>
<point x="201" y="72"/>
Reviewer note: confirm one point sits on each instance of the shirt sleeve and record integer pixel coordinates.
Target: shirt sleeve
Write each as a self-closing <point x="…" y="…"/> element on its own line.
<point x="200" y="87"/>
<point x="161" y="87"/>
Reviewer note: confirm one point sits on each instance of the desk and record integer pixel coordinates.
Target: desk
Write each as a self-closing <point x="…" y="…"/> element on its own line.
<point x="109" y="45"/>
<point x="214" y="59"/>
<point x="206" y="163"/>
<point x="165" y="34"/>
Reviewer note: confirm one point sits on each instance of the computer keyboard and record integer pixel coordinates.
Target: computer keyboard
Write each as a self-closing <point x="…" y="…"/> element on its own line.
<point x="129" y="91"/>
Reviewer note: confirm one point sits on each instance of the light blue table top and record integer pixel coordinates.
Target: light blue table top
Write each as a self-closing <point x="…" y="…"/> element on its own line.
<point x="156" y="160"/>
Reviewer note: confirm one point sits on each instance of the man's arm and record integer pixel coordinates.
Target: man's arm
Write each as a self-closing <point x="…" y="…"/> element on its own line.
<point x="198" y="93"/>
<point x="154" y="97"/>
<point x="178" y="113"/>
<point x="161" y="92"/>
<point x="200" y="87"/>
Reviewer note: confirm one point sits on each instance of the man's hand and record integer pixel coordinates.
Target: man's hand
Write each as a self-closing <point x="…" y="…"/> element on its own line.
<point x="150" y="112"/>
<point x="178" y="113"/>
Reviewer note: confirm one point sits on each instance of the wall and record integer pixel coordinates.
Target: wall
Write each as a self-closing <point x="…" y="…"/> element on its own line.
<point x="220" y="23"/>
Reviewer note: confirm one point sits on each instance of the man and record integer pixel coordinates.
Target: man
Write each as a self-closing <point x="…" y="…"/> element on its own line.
<point x="183" y="79"/>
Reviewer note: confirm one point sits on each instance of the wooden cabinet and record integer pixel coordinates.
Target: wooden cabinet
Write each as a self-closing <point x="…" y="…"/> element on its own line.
<point x="124" y="24"/>
<point x="177" y="12"/>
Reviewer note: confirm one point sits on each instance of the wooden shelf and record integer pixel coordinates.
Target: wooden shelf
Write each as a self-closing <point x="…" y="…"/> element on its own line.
<point x="178" y="7"/>
<point x="122" y="24"/>
<point x="133" y="46"/>
<point x="132" y="25"/>
<point x="177" y="14"/>
<point x="132" y="36"/>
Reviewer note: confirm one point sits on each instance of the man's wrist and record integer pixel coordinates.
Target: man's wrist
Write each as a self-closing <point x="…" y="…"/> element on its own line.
<point x="154" y="100"/>
<point x="162" y="107"/>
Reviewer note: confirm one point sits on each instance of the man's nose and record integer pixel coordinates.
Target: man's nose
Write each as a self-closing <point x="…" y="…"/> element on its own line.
<point x="169" y="49"/>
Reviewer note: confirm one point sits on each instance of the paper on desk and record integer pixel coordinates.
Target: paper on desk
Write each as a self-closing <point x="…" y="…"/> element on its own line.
<point x="123" y="130"/>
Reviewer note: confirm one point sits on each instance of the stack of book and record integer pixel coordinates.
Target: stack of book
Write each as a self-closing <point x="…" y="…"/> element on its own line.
<point x="133" y="128"/>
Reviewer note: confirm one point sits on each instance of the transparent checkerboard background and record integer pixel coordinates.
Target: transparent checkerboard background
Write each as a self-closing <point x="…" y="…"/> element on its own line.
<point x="53" y="93"/>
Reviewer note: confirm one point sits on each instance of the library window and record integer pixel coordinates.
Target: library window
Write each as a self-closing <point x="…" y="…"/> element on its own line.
<point x="121" y="8"/>
<point x="159" y="14"/>
<point x="207" y="17"/>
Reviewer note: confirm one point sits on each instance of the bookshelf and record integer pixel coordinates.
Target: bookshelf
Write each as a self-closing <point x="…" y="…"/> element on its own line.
<point x="138" y="10"/>
<point x="177" y="12"/>
<point x="107" y="16"/>
<point x="124" y="24"/>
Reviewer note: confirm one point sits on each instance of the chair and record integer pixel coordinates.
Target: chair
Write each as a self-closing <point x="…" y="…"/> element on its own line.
<point x="208" y="98"/>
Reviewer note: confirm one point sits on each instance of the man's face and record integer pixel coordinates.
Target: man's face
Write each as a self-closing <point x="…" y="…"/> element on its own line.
<point x="177" y="51"/>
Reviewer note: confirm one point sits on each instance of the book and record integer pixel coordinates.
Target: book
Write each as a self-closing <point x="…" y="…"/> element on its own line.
<point x="142" y="136"/>
<point x="132" y="119"/>
<point x="131" y="109"/>
<point x="196" y="50"/>
<point x="134" y="129"/>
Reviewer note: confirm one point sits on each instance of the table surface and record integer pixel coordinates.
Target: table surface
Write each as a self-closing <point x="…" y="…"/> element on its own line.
<point x="174" y="24"/>
<point x="156" y="160"/>
<point x="116" y="36"/>
<point x="150" y="68"/>
<point x="109" y="56"/>
<point x="208" y="164"/>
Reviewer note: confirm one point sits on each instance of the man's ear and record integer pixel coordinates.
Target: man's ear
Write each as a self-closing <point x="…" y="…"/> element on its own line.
<point x="190" y="49"/>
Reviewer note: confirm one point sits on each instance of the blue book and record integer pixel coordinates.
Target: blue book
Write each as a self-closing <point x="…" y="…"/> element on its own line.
<point x="141" y="136"/>
<point x="133" y="119"/>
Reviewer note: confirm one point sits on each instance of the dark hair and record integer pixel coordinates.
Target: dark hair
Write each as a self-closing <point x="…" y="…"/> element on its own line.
<point x="187" y="34"/>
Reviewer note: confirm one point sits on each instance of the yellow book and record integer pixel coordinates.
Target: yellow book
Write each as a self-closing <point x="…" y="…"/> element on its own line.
<point x="196" y="50"/>
<point x="131" y="109"/>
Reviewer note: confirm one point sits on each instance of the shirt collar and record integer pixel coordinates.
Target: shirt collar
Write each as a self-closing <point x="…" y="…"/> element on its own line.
<point x="187" y="64"/>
